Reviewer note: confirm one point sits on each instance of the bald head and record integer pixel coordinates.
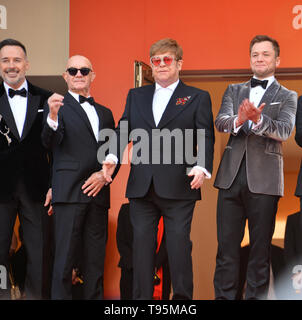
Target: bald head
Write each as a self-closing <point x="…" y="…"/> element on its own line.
<point x="79" y="83"/>
<point x="78" y="59"/>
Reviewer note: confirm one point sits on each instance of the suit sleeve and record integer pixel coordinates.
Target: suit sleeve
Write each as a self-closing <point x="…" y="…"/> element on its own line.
<point x="280" y="128"/>
<point x="298" y="136"/>
<point x="204" y="121"/>
<point x="49" y="152"/>
<point x="123" y="130"/>
<point x="111" y="125"/>
<point x="224" y="121"/>
<point x="49" y="136"/>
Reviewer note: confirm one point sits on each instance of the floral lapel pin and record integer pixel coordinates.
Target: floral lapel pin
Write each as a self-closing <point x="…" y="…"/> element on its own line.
<point x="182" y="101"/>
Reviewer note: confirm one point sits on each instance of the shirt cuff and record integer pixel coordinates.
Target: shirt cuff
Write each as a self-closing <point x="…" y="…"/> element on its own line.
<point x="255" y="126"/>
<point x="205" y="171"/>
<point x="53" y="124"/>
<point x="112" y="157"/>
<point x="236" y="129"/>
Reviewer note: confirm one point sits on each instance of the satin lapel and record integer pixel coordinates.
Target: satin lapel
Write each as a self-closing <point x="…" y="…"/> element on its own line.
<point x="144" y="104"/>
<point x="101" y="118"/>
<point x="270" y="93"/>
<point x="33" y="102"/>
<point x="6" y="112"/>
<point x="76" y="107"/>
<point x="172" y="109"/>
<point x="243" y="94"/>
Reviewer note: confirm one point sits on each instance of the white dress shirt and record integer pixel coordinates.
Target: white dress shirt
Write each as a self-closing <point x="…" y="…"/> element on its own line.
<point x="18" y="105"/>
<point x="91" y="114"/>
<point x="255" y="97"/>
<point x="161" y="99"/>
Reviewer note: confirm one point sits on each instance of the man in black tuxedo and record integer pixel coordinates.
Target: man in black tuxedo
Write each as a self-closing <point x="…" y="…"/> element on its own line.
<point x="24" y="162"/>
<point x="71" y="130"/>
<point x="259" y="115"/>
<point x="163" y="181"/>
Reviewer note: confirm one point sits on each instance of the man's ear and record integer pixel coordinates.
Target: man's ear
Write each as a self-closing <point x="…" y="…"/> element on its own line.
<point x="27" y="65"/>
<point x="64" y="75"/>
<point x="179" y="64"/>
<point x="93" y="75"/>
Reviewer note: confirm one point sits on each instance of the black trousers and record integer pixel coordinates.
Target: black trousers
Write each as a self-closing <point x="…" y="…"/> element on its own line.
<point x="126" y="284"/>
<point x="236" y="205"/>
<point x="177" y="214"/>
<point x="33" y="217"/>
<point x="80" y="235"/>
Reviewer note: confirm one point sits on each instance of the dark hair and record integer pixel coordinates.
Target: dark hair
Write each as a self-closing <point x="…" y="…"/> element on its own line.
<point x="12" y="42"/>
<point x="261" y="38"/>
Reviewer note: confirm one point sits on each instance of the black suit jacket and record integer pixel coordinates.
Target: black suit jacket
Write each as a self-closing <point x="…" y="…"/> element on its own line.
<point x="25" y="156"/>
<point x="298" y="138"/>
<point x="75" y="152"/>
<point x="188" y="108"/>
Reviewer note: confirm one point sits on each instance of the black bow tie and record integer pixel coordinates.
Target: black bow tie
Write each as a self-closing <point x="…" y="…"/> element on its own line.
<point x="12" y="92"/>
<point x="256" y="82"/>
<point x="83" y="99"/>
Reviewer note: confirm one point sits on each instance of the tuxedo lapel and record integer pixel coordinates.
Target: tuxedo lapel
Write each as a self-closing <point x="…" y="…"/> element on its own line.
<point x="76" y="107"/>
<point x="101" y="117"/>
<point x="6" y="112"/>
<point x="270" y="93"/>
<point x="179" y="101"/>
<point x="33" y="102"/>
<point x="244" y="94"/>
<point x="144" y="102"/>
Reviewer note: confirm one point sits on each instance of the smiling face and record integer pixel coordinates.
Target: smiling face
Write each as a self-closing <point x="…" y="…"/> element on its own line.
<point x="78" y="83"/>
<point x="263" y="59"/>
<point x="13" y="65"/>
<point x="165" y="74"/>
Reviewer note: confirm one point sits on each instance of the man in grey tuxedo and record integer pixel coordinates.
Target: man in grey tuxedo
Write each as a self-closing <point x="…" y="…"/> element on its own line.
<point x="259" y="115"/>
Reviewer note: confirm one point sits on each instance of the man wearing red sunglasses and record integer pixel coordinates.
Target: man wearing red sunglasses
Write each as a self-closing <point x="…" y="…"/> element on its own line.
<point x="159" y="188"/>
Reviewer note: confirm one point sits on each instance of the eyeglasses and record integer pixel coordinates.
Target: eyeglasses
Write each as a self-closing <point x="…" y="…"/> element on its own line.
<point x="74" y="71"/>
<point x="156" y="61"/>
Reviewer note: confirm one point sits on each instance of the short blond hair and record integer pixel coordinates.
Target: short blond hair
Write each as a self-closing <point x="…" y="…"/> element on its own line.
<point x="165" y="45"/>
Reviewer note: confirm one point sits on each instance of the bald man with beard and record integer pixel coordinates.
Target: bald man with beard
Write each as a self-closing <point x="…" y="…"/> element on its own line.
<point x="79" y="197"/>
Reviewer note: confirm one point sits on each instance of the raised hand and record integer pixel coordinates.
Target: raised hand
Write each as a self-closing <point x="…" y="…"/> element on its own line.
<point x="55" y="102"/>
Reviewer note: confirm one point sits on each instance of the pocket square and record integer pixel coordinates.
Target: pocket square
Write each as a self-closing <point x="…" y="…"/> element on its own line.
<point x="40" y="110"/>
<point x="274" y="103"/>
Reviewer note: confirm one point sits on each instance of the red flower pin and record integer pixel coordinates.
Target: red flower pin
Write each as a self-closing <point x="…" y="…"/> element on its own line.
<point x="182" y="101"/>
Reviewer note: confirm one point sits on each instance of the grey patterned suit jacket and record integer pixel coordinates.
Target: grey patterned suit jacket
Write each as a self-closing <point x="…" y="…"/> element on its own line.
<point x="262" y="145"/>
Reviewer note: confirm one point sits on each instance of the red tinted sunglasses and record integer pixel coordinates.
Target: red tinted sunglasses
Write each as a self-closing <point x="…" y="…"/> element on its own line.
<point x="156" y="61"/>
